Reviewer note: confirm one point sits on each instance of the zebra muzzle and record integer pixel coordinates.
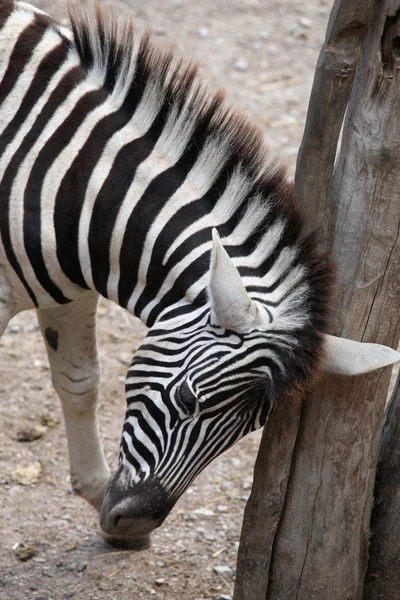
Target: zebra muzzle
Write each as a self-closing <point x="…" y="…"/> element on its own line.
<point x="134" y="511"/>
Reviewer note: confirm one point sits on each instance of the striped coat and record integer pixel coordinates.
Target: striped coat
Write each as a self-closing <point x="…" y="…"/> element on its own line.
<point x="122" y="175"/>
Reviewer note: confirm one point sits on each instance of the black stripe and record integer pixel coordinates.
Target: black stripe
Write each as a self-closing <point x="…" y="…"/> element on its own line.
<point x="73" y="188"/>
<point x="188" y="277"/>
<point x="152" y="201"/>
<point x="20" y="56"/>
<point x="111" y="197"/>
<point x="6" y="8"/>
<point x="140" y="448"/>
<point x="22" y="53"/>
<point x="129" y="456"/>
<point x="62" y="215"/>
<point x="184" y="217"/>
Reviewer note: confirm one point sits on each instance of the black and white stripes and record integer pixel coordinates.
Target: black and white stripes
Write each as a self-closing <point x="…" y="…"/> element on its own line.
<point x="116" y="165"/>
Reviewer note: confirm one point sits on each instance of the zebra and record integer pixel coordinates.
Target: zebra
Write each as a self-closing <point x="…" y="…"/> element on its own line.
<point x="122" y="175"/>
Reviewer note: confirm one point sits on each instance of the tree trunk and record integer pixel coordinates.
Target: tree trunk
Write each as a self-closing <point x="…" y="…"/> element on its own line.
<point x="383" y="575"/>
<point x="311" y="542"/>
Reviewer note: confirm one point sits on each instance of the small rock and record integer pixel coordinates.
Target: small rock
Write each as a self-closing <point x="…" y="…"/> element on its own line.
<point x="14" y="329"/>
<point x="241" y="64"/>
<point x="71" y="547"/>
<point x="46" y="572"/>
<point x="81" y="567"/>
<point x="205" y="512"/>
<point x="304" y="22"/>
<point x="298" y="32"/>
<point x="24" y="551"/>
<point x="224" y="597"/>
<point x="125" y="358"/>
<point x="27" y="475"/>
<point x="160" y="581"/>
<point x="29" y="434"/>
<point x="49" y="421"/>
<point x="221" y="569"/>
<point x="203" y="32"/>
<point x="190" y="517"/>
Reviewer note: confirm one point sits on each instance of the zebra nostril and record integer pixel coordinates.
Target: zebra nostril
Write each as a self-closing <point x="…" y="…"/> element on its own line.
<point x="116" y="520"/>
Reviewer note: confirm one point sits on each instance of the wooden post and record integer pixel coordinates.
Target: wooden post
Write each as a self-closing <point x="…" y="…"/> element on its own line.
<point x="313" y="538"/>
<point x="383" y="575"/>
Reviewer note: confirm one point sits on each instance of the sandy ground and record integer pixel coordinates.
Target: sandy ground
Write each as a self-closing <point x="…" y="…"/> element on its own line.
<point x="263" y="52"/>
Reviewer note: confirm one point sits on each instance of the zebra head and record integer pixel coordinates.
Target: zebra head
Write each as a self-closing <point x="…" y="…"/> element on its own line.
<point x="199" y="383"/>
<point x="202" y="380"/>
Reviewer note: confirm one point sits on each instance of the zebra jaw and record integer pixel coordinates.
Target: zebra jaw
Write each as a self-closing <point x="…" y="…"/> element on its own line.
<point x="233" y="308"/>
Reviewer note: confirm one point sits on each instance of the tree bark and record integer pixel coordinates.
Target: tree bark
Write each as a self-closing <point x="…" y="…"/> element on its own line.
<point x="333" y="81"/>
<point x="313" y="545"/>
<point x="383" y="575"/>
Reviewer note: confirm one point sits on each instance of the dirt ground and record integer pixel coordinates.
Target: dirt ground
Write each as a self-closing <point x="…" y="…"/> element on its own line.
<point x="263" y="52"/>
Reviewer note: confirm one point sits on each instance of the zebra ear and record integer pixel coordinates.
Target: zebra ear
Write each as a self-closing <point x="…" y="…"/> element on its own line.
<point x="346" y="357"/>
<point x="232" y="306"/>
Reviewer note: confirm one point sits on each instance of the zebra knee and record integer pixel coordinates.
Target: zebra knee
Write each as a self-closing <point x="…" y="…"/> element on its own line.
<point x="78" y="388"/>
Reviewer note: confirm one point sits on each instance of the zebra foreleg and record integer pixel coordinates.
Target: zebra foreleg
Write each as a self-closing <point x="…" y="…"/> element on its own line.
<point x="6" y="304"/>
<point x="70" y="335"/>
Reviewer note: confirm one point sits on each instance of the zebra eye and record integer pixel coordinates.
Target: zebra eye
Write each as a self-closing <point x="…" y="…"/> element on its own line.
<point x="185" y="399"/>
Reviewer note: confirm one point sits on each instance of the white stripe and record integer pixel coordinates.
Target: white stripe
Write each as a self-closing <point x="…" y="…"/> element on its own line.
<point x="199" y="180"/>
<point x="17" y="201"/>
<point x="167" y="151"/>
<point x="9" y="34"/>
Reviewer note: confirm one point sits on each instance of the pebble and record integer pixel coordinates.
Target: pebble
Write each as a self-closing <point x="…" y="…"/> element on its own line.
<point x="81" y="567"/>
<point x="224" y="597"/>
<point x="241" y="64"/>
<point x="190" y="517"/>
<point x="27" y="475"/>
<point x="221" y="569"/>
<point x="160" y="581"/>
<point x="30" y="434"/>
<point x="203" y="32"/>
<point x="205" y="512"/>
<point x="14" y="329"/>
<point x="24" y="551"/>
<point x="304" y="22"/>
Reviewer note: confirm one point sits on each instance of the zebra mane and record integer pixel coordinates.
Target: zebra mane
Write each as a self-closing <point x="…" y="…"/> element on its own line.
<point x="127" y="62"/>
<point x="130" y="66"/>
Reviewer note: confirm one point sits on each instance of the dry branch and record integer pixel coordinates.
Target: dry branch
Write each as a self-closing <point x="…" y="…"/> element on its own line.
<point x="333" y="80"/>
